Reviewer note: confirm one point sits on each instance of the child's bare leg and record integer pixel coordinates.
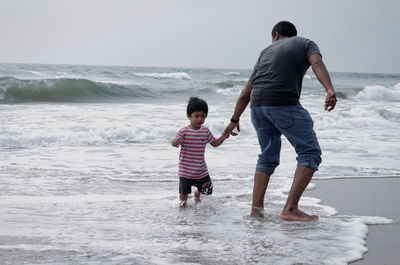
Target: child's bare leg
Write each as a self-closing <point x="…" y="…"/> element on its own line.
<point x="183" y="199"/>
<point x="196" y="196"/>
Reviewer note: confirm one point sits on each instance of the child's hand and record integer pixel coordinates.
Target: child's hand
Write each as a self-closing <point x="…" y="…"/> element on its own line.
<point x="177" y="141"/>
<point x="225" y="135"/>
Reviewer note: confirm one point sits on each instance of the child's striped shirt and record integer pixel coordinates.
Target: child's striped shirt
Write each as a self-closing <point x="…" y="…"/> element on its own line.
<point x="191" y="159"/>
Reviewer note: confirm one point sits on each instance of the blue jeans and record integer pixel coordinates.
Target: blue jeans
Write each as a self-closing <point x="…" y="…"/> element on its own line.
<point x="295" y="123"/>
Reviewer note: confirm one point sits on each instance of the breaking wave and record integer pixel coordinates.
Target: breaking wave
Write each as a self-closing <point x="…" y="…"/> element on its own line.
<point x="178" y="75"/>
<point x="13" y="90"/>
<point x="380" y="93"/>
<point x="232" y="83"/>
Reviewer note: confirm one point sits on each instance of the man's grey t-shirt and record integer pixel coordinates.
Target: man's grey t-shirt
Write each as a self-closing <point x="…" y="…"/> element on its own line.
<point x="278" y="74"/>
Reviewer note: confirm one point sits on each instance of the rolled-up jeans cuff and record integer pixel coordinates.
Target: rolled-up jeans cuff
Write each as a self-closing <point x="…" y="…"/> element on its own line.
<point x="269" y="170"/>
<point x="310" y="162"/>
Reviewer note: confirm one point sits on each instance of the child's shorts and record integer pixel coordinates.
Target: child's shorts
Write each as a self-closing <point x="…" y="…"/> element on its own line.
<point x="204" y="185"/>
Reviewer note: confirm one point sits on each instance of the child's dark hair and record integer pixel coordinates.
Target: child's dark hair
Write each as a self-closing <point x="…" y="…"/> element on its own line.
<point x="196" y="104"/>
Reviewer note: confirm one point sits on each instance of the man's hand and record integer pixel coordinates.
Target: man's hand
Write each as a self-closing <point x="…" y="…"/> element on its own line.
<point x="229" y="129"/>
<point x="330" y="100"/>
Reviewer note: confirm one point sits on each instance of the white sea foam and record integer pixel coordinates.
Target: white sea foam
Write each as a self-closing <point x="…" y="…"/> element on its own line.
<point x="177" y="75"/>
<point x="357" y="116"/>
<point x="388" y="174"/>
<point x="310" y="186"/>
<point x="17" y="199"/>
<point x="380" y="93"/>
<point x="235" y="90"/>
<point x="232" y="73"/>
<point x="354" y="239"/>
<point x="73" y="134"/>
<point x="315" y="203"/>
<point x="35" y="73"/>
<point x="41" y="75"/>
<point x="116" y="82"/>
<point x="376" y="220"/>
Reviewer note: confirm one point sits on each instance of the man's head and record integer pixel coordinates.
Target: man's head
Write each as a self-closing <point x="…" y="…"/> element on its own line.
<point x="283" y="29"/>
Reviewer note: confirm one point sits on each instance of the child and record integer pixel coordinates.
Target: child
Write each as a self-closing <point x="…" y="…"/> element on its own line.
<point x="193" y="140"/>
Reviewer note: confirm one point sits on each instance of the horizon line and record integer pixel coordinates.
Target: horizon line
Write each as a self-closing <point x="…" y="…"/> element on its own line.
<point x="190" y="67"/>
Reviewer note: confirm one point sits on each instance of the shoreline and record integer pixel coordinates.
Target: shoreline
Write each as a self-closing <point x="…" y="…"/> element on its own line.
<point x="366" y="197"/>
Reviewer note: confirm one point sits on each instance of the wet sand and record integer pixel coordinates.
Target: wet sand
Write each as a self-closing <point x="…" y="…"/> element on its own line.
<point x="367" y="197"/>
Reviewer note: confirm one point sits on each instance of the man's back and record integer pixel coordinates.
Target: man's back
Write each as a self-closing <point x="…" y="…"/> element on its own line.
<point x="279" y="71"/>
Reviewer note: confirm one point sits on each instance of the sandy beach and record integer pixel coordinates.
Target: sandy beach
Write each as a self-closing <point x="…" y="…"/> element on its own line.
<point x="367" y="197"/>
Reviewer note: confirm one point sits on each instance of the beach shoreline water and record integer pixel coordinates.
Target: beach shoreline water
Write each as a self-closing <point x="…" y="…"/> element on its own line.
<point x="88" y="174"/>
<point x="366" y="197"/>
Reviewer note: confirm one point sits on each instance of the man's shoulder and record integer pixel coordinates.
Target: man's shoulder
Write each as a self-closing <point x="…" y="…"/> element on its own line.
<point x="305" y="44"/>
<point x="300" y="39"/>
<point x="296" y="40"/>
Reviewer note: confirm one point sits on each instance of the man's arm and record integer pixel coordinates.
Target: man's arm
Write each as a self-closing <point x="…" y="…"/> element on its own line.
<point x="241" y="105"/>
<point x="322" y="74"/>
<point x="220" y="140"/>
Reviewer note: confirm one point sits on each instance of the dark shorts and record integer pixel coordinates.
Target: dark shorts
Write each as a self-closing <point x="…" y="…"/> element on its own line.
<point x="204" y="185"/>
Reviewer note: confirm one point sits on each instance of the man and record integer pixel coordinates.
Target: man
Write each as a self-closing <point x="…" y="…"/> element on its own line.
<point x="273" y="91"/>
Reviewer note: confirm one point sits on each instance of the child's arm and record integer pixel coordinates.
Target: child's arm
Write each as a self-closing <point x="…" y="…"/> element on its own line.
<point x="178" y="140"/>
<point x="221" y="139"/>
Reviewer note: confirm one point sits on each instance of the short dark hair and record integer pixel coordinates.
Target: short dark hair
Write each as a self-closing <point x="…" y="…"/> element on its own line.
<point x="196" y="104"/>
<point x="285" y="29"/>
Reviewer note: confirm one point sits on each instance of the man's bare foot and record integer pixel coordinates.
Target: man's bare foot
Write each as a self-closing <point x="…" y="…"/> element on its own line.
<point x="297" y="215"/>
<point x="257" y="212"/>
<point x="196" y="197"/>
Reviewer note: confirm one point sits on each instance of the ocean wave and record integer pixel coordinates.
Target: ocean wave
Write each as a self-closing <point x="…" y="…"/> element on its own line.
<point x="340" y="94"/>
<point x="231" y="87"/>
<point x="13" y="90"/>
<point x="389" y="115"/>
<point x="232" y="73"/>
<point x="380" y="93"/>
<point x="34" y="73"/>
<point x="361" y="117"/>
<point x="229" y="91"/>
<point x="232" y="83"/>
<point x="177" y="75"/>
<point x="68" y="133"/>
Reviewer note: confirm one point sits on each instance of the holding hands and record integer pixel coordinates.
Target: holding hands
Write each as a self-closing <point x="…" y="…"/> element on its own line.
<point x="229" y="129"/>
<point x="225" y="135"/>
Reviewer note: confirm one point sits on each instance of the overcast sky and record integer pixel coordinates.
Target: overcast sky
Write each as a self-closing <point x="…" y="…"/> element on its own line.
<point x="353" y="35"/>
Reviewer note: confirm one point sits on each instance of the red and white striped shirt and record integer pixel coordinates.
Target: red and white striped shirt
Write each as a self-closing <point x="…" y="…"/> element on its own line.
<point x="192" y="164"/>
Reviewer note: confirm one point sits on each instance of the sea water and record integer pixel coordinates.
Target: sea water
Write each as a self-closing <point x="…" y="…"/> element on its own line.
<point x="88" y="175"/>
